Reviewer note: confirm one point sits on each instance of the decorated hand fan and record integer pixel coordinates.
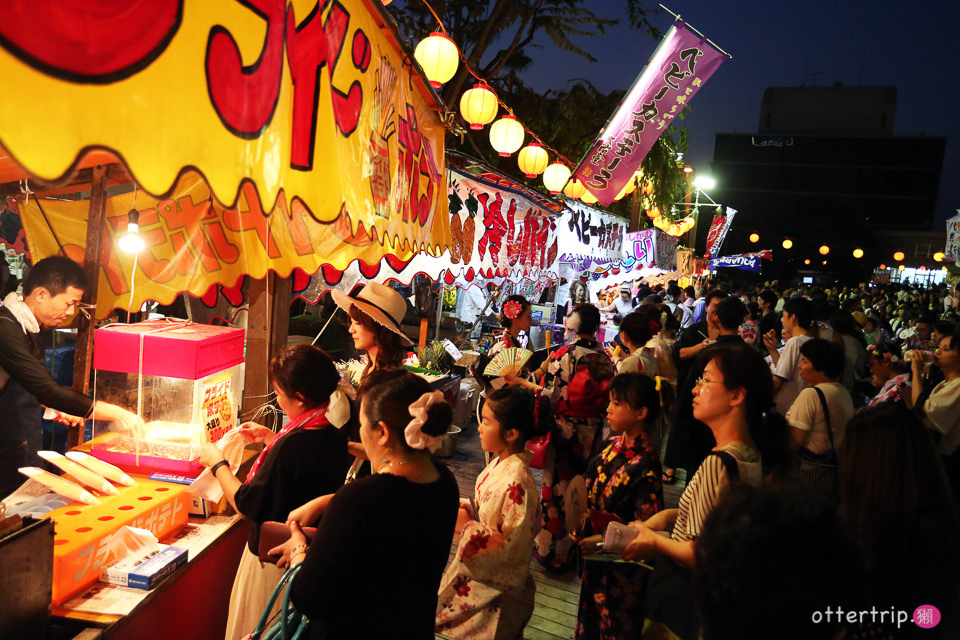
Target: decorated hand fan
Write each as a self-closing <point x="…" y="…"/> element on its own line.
<point x="508" y="362"/>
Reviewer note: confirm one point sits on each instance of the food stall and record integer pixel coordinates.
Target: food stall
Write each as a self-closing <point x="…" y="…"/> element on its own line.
<point x="225" y="172"/>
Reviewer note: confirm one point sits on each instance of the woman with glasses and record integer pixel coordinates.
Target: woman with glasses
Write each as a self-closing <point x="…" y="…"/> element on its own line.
<point x="734" y="398"/>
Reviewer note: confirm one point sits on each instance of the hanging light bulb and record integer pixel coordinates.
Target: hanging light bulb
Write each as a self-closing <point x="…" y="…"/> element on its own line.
<point x="574" y="189"/>
<point x="479" y="105"/>
<point x="788" y="243"/>
<point x="131" y="242"/>
<point x="532" y="160"/>
<point x="555" y="177"/>
<point x="438" y="57"/>
<point x="506" y="135"/>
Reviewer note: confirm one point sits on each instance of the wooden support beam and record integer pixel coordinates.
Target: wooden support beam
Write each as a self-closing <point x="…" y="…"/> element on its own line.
<point x="268" y="319"/>
<point x="96" y="220"/>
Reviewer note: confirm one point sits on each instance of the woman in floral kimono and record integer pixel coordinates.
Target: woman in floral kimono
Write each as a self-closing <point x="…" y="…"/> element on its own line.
<point x="623" y="485"/>
<point x="487" y="591"/>
<point x="576" y="377"/>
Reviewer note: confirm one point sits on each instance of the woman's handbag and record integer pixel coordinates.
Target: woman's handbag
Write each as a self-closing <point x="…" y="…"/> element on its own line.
<point x="290" y="623"/>
<point x="818" y="472"/>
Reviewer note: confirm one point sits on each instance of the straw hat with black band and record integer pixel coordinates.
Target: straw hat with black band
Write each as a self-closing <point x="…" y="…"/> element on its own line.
<point x="384" y="305"/>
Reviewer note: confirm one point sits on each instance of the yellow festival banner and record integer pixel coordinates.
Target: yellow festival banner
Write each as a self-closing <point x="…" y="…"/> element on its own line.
<point x="293" y="109"/>
<point x="192" y="242"/>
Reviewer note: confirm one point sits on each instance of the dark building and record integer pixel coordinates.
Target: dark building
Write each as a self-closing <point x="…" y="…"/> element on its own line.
<point x="825" y="168"/>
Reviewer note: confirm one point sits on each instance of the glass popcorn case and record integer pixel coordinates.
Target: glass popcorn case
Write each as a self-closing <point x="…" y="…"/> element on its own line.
<point x="184" y="379"/>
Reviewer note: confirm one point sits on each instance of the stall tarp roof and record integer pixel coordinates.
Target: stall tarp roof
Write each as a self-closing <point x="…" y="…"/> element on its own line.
<point x="328" y="117"/>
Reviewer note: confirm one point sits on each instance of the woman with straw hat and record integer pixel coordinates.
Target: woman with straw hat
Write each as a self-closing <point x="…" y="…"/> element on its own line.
<point x="375" y="316"/>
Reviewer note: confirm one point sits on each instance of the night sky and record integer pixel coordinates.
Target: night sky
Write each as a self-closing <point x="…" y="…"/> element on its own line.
<point x="913" y="46"/>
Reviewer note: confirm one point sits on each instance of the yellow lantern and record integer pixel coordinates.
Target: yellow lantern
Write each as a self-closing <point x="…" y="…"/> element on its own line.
<point x="938" y="256"/>
<point x="574" y="189"/>
<point x="555" y="177"/>
<point x="807" y="261"/>
<point x="788" y="243"/>
<point x="438" y="57"/>
<point x="824" y="249"/>
<point x="900" y="267"/>
<point x="898" y="256"/>
<point x="479" y="105"/>
<point x="653" y="213"/>
<point x="858" y="253"/>
<point x="533" y="160"/>
<point x="622" y="193"/>
<point x="506" y="135"/>
<point x="754" y="237"/>
<point x="587" y="197"/>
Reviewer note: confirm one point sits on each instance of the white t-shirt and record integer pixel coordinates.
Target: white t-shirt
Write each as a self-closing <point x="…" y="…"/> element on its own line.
<point x="806" y="413"/>
<point x="942" y="411"/>
<point x="788" y="370"/>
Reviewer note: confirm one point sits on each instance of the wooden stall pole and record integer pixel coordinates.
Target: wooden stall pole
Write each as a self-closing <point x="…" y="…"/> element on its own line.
<point x="96" y="221"/>
<point x="267" y="322"/>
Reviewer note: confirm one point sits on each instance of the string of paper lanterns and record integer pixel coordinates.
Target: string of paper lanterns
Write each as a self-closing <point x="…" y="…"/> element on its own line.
<point x="439" y="57"/>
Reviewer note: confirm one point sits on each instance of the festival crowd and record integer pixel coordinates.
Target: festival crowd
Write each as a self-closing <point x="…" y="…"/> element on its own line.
<point x="815" y="432"/>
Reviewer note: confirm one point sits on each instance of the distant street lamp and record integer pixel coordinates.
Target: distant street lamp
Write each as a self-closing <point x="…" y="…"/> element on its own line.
<point x="704" y="182"/>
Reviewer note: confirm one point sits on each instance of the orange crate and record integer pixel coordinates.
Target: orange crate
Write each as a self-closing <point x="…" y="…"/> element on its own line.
<point x="83" y="531"/>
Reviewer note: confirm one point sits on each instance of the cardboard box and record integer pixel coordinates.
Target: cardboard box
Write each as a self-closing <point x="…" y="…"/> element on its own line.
<point x="145" y="572"/>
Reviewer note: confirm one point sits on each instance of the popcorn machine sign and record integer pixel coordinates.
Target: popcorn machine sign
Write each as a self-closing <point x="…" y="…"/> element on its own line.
<point x="217" y="408"/>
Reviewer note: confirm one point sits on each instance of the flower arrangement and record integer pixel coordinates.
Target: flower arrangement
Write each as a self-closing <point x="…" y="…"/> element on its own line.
<point x="351" y="371"/>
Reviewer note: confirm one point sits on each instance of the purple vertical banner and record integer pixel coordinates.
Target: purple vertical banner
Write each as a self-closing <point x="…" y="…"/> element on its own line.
<point x="677" y="70"/>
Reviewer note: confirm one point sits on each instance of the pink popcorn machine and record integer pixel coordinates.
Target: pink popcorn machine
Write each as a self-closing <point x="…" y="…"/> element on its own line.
<point x="184" y="379"/>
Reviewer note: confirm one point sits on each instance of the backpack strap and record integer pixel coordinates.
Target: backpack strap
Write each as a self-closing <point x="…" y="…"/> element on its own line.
<point x="826" y="414"/>
<point x="729" y="464"/>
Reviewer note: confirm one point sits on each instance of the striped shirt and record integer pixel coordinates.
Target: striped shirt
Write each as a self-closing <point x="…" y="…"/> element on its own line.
<point x="711" y="479"/>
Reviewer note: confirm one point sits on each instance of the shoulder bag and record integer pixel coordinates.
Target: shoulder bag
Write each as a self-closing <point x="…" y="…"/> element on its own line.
<point x="818" y="471"/>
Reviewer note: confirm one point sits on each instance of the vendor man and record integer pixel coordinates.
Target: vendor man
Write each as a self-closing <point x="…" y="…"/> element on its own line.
<point x="51" y="294"/>
<point x="623" y="304"/>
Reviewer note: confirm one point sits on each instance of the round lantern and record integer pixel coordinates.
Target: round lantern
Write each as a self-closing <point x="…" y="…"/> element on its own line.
<point x="533" y="160"/>
<point x="574" y="188"/>
<point x="506" y="135"/>
<point x="900" y="267"/>
<point x="439" y="57"/>
<point x="807" y="261"/>
<point x="824" y="249"/>
<point x="587" y="197"/>
<point x="858" y="253"/>
<point x="788" y="243"/>
<point x="754" y="237"/>
<point x="479" y="105"/>
<point x="622" y="193"/>
<point x="938" y="256"/>
<point x="653" y="213"/>
<point x="555" y="177"/>
<point x="883" y="267"/>
<point x="898" y="256"/>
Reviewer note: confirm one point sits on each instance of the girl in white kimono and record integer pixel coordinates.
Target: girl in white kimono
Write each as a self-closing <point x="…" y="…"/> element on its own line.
<point x="487" y="591"/>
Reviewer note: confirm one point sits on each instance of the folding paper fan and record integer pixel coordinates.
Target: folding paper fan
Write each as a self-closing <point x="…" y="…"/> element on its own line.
<point x="508" y="362"/>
